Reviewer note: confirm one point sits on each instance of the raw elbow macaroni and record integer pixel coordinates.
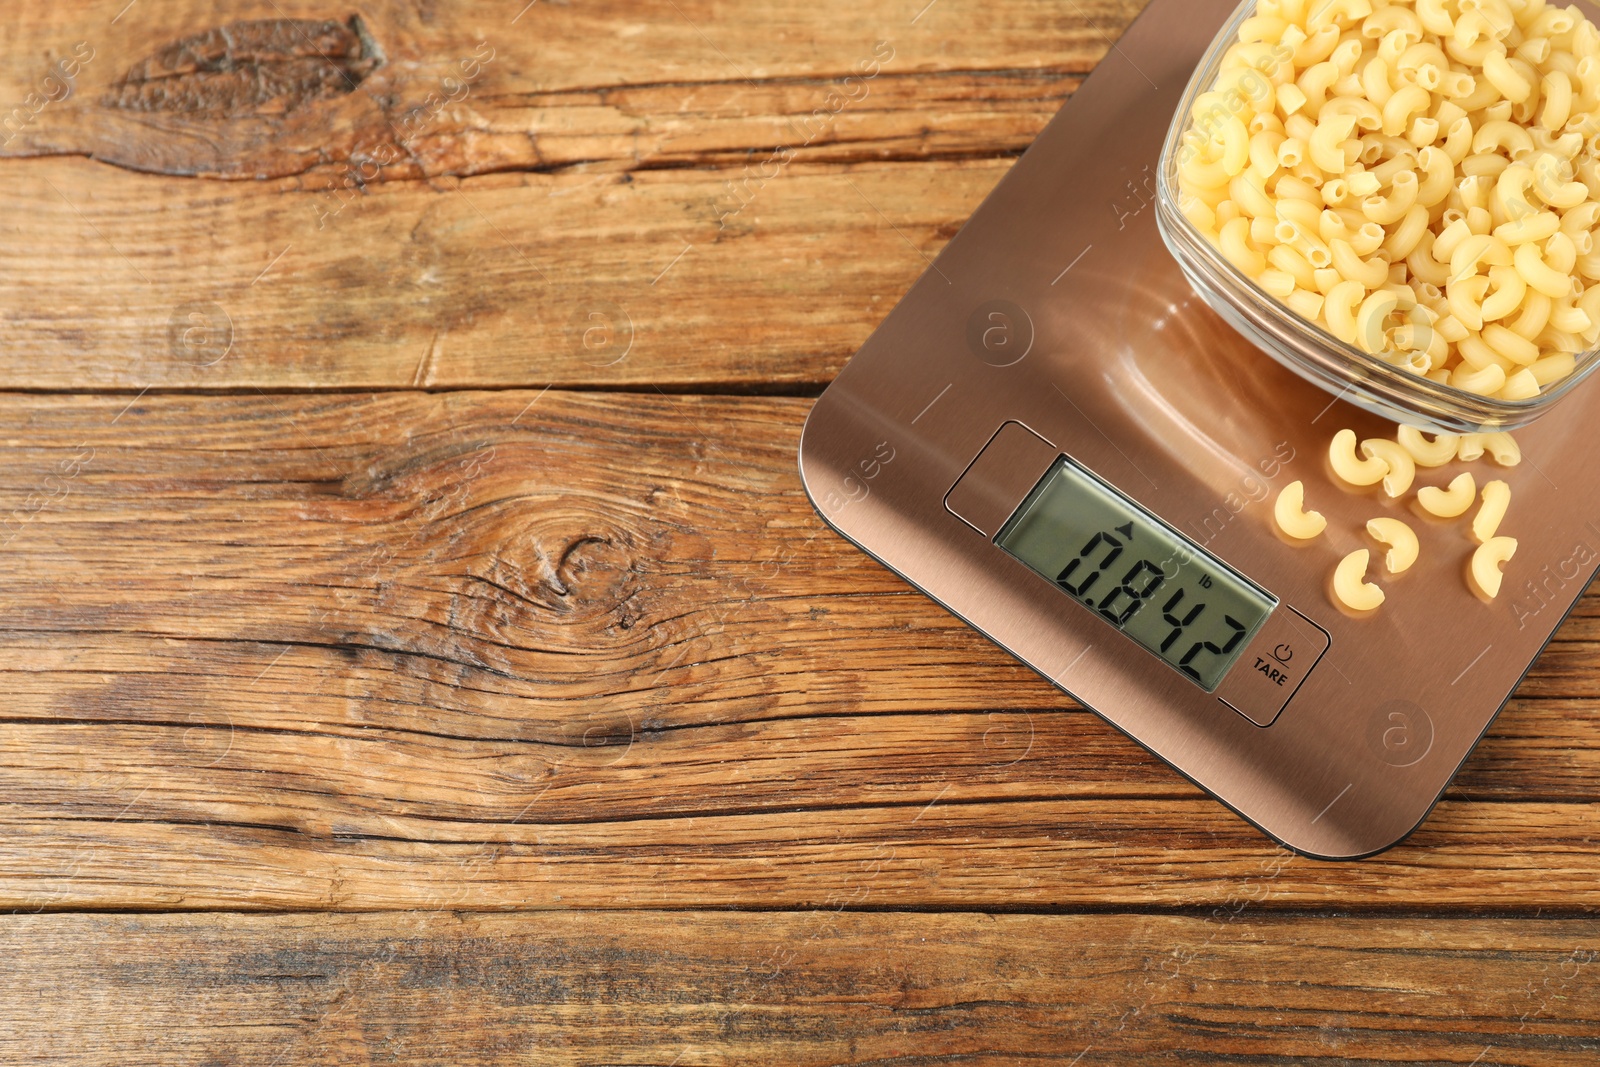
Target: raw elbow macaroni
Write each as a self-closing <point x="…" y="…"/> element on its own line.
<point x="1487" y="561"/>
<point x="1402" y="541"/>
<point x="1426" y="453"/>
<point x="1292" y="518"/>
<point x="1351" y="468"/>
<point x="1492" y="512"/>
<point x="1350" y="583"/>
<point x="1400" y="469"/>
<point x="1394" y="463"/>
<point x="1503" y="449"/>
<point x="1451" y="502"/>
<point x="1420" y="178"/>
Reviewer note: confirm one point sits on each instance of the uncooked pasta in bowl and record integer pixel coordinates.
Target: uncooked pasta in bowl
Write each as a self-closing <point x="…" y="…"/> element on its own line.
<point x="1399" y="200"/>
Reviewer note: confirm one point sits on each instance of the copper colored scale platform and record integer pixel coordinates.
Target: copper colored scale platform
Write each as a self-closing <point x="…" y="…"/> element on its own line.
<point x="1054" y="367"/>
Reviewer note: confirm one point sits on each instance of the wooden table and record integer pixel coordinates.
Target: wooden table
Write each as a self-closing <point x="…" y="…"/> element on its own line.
<point x="418" y="647"/>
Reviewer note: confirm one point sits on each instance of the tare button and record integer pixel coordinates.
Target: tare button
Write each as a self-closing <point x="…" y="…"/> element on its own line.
<point x="1273" y="666"/>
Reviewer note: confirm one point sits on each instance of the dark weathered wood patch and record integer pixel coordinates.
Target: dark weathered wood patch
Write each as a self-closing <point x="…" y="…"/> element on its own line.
<point x="251" y="67"/>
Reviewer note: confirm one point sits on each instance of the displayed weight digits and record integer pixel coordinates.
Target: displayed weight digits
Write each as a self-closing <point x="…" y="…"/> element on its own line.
<point x="1136" y="573"/>
<point x="1154" y="577"/>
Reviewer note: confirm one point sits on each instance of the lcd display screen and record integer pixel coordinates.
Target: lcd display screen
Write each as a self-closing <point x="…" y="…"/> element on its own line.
<point x="1137" y="573"/>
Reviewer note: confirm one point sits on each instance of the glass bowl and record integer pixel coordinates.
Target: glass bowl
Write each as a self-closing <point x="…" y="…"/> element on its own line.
<point x="1305" y="347"/>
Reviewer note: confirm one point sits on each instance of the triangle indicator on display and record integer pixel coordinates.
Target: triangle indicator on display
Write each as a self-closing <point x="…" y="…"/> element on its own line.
<point x="1126" y="530"/>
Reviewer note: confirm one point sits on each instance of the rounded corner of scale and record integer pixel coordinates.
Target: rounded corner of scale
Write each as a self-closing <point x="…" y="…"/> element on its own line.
<point x="1356" y="849"/>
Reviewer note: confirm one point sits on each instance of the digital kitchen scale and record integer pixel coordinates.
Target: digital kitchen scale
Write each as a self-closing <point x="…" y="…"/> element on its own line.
<point x="1056" y="439"/>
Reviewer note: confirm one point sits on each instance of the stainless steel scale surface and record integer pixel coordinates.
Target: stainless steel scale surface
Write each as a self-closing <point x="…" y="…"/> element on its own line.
<point x="1053" y="371"/>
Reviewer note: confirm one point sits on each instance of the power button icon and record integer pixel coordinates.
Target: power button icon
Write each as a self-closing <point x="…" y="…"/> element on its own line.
<point x="1277" y="662"/>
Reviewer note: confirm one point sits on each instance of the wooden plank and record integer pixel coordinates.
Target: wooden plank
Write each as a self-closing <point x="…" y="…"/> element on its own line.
<point x="808" y="989"/>
<point x="343" y="778"/>
<point x="1180" y="854"/>
<point x="533" y="649"/>
<point x="713" y="199"/>
<point x="621" y="281"/>
<point x="398" y="96"/>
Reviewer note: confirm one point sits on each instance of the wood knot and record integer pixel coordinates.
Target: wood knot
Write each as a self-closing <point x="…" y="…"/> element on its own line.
<point x="255" y="67"/>
<point x="579" y="563"/>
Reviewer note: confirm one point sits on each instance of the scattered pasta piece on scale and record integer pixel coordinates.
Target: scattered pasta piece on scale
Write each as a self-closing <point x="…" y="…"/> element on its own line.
<point x="1350" y="585"/>
<point x="1351" y="468"/>
<point x="1400" y="470"/>
<point x="1487" y="561"/>
<point x="1496" y="501"/>
<point x="1451" y="502"/>
<point x="1426" y="453"/>
<point x="1394" y="465"/>
<point x="1402" y="541"/>
<point x="1293" y="519"/>
<point x="1503" y="449"/>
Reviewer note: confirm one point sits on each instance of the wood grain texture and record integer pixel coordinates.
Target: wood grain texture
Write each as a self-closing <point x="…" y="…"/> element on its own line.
<point x="273" y="90"/>
<point x="494" y="656"/>
<point x="807" y="990"/>
<point x="542" y="649"/>
<point x="620" y="281"/>
<point x="695" y="195"/>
